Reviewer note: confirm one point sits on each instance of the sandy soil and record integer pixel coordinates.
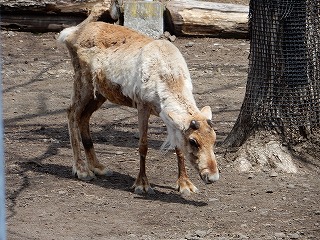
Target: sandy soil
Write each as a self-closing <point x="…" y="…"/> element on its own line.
<point x="44" y="200"/>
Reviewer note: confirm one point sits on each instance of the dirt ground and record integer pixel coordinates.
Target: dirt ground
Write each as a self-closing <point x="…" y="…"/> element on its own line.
<point x="44" y="200"/>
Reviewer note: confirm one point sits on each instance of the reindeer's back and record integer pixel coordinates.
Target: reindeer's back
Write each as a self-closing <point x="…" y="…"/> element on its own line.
<point x="105" y="35"/>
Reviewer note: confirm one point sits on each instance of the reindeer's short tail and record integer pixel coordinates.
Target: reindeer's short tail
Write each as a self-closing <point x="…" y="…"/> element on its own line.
<point x="66" y="32"/>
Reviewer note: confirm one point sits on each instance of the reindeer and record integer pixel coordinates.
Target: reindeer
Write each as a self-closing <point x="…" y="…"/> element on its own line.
<point x="114" y="63"/>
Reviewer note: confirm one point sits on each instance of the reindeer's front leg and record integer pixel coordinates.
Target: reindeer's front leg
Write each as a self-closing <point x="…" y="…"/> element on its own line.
<point x="184" y="185"/>
<point x="141" y="184"/>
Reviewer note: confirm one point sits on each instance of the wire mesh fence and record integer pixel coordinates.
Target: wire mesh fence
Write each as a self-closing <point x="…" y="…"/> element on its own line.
<point x="283" y="91"/>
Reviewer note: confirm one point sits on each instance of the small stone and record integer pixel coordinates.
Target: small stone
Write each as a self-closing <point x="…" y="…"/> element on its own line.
<point x="172" y="38"/>
<point x="191" y="236"/>
<point x="119" y="152"/>
<point x="317" y="212"/>
<point x="189" y="44"/>
<point x="132" y="236"/>
<point x="294" y="236"/>
<point x="213" y="199"/>
<point x="280" y="235"/>
<point x="242" y="236"/>
<point x="290" y="186"/>
<point x="273" y="173"/>
<point x="200" y="233"/>
<point x="250" y="175"/>
<point x="166" y="34"/>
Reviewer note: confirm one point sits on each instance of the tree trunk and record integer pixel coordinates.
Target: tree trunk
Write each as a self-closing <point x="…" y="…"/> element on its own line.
<point x="198" y="18"/>
<point x="280" y="116"/>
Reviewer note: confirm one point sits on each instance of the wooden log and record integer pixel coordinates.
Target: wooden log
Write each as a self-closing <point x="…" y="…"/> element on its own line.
<point x="50" y="6"/>
<point x="197" y="18"/>
<point x="182" y="17"/>
<point x="47" y="15"/>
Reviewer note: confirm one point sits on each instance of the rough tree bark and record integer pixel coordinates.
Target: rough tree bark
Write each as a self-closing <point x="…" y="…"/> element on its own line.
<point x="279" y="121"/>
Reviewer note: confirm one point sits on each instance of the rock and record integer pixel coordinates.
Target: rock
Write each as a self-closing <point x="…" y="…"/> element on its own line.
<point x="273" y="173"/>
<point x="200" y="233"/>
<point x="294" y="236"/>
<point x="189" y="44"/>
<point x="172" y="38"/>
<point x="213" y="199"/>
<point x="280" y="235"/>
<point x="242" y="236"/>
<point x="290" y="186"/>
<point x="250" y="175"/>
<point x="166" y="34"/>
<point x="191" y="236"/>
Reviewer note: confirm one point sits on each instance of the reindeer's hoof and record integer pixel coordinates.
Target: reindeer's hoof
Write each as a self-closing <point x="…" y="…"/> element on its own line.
<point x="102" y="172"/>
<point x="143" y="189"/>
<point x="100" y="169"/>
<point x="186" y="187"/>
<point x="84" y="175"/>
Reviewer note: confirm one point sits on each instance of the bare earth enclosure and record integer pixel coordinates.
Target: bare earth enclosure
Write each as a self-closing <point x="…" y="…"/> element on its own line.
<point x="44" y="200"/>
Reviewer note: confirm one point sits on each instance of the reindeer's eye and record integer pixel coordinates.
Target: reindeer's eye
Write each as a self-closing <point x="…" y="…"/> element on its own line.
<point x="193" y="143"/>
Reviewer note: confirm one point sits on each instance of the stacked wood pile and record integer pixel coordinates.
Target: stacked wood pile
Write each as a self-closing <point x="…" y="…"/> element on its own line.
<point x="182" y="17"/>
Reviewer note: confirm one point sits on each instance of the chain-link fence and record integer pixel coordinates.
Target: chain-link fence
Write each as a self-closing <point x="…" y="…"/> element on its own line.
<point x="283" y="89"/>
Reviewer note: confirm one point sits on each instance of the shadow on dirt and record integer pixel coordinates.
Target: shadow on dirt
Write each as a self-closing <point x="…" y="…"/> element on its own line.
<point x="117" y="181"/>
<point x="56" y="138"/>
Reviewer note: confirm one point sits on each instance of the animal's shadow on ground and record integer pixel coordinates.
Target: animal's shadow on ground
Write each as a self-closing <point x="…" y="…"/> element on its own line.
<point x="60" y="139"/>
<point x="117" y="181"/>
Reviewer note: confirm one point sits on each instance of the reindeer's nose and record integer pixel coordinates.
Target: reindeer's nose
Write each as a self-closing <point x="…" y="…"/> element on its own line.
<point x="208" y="177"/>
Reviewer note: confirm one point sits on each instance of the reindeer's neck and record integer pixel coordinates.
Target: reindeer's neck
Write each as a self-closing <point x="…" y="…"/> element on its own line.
<point x="176" y="114"/>
<point x="181" y="106"/>
<point x="177" y="110"/>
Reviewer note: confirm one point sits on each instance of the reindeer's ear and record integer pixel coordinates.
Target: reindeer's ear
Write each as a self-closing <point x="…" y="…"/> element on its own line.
<point x="206" y="111"/>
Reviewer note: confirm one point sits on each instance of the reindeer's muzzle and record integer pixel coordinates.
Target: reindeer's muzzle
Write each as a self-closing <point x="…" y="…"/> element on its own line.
<point x="208" y="177"/>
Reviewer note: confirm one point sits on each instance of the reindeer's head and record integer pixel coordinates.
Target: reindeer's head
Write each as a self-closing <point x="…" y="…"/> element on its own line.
<point x="197" y="144"/>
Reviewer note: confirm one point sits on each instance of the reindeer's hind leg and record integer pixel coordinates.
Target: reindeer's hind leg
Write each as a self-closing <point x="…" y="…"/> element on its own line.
<point x="83" y="104"/>
<point x="142" y="184"/>
<point x="92" y="105"/>
<point x="80" y="166"/>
